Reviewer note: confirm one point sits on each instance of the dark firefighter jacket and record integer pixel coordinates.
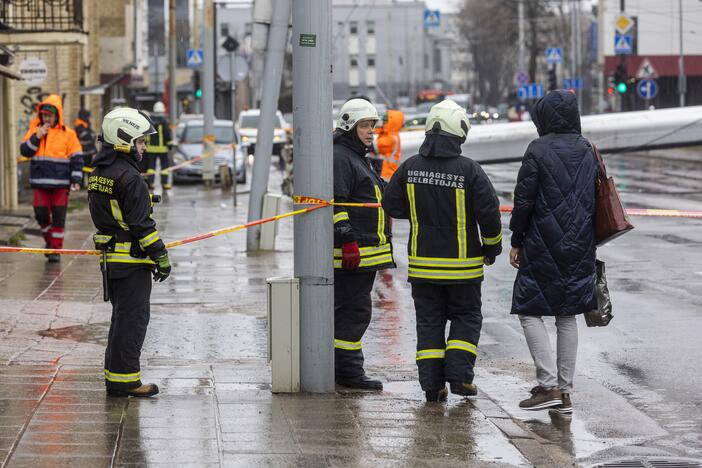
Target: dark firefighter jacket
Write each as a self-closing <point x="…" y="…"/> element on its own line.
<point x="57" y="160"/>
<point x="157" y="143"/>
<point x="120" y="205"/>
<point x="552" y="220"/>
<point x="447" y="198"/>
<point x="355" y="181"/>
<point x="86" y="137"/>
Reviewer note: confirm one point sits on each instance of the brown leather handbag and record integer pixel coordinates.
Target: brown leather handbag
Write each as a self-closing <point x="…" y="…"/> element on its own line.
<point x="611" y="220"/>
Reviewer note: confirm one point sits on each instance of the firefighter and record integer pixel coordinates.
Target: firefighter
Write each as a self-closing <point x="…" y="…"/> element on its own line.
<point x="121" y="209"/>
<point x="388" y="143"/>
<point x="56" y="167"/>
<point x="455" y="229"/>
<point x="86" y="136"/>
<point x="158" y="146"/>
<point x="361" y="240"/>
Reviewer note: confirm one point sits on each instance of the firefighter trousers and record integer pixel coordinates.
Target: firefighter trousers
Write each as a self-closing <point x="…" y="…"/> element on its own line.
<point x="352" y="315"/>
<point x="130" y="297"/>
<point x="151" y="172"/>
<point x="438" y="360"/>
<point x="50" y="207"/>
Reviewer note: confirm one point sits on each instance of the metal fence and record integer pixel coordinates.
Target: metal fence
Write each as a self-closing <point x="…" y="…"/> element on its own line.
<point x="41" y="15"/>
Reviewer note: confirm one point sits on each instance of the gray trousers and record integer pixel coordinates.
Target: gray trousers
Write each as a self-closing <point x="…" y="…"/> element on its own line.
<point x="550" y="373"/>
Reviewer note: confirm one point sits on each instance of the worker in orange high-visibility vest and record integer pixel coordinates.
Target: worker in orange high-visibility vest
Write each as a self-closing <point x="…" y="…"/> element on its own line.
<point x="388" y="143"/>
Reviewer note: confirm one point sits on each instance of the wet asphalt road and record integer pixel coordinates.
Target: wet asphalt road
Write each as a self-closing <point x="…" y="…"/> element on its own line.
<point x="636" y="389"/>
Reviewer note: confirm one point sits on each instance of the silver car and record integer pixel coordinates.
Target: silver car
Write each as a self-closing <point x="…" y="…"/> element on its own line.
<point x="228" y="151"/>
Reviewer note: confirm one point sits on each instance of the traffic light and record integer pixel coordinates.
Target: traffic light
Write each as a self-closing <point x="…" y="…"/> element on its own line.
<point x="196" y="84"/>
<point x="621" y="78"/>
<point x="552" y="80"/>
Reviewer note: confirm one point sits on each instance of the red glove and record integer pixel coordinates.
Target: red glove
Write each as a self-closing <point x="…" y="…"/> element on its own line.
<point x="350" y="255"/>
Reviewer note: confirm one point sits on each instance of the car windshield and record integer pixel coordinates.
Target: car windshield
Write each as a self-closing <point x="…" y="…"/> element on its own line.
<point x="224" y="134"/>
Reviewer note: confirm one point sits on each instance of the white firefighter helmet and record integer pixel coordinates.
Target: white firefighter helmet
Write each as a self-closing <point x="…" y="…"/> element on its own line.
<point x="354" y="111"/>
<point x="450" y="117"/>
<point x="159" y="108"/>
<point x="123" y="125"/>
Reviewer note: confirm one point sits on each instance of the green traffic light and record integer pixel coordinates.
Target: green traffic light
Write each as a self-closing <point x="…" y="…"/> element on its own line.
<point x="198" y="93"/>
<point x="621" y="87"/>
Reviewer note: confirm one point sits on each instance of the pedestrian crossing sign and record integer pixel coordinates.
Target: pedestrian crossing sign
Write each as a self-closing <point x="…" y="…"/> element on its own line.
<point x="623" y="44"/>
<point x="193" y="58"/>
<point x="432" y="18"/>
<point x="554" y="55"/>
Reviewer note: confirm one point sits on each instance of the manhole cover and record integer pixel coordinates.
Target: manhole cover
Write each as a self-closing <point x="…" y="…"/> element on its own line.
<point x="650" y="463"/>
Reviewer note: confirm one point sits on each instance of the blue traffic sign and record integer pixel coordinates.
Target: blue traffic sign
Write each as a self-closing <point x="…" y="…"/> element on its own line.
<point x="530" y="91"/>
<point x="554" y="55"/>
<point x="573" y="83"/>
<point x="432" y="18"/>
<point x="647" y="89"/>
<point x="193" y="58"/>
<point x="521" y="78"/>
<point x="623" y="44"/>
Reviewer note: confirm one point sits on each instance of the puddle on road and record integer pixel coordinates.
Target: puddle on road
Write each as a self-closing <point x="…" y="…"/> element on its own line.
<point x="95" y="333"/>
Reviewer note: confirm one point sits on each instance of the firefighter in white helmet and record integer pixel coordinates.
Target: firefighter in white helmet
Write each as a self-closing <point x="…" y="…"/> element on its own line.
<point x="158" y="146"/>
<point x="455" y="230"/>
<point x="361" y="240"/>
<point x="132" y="249"/>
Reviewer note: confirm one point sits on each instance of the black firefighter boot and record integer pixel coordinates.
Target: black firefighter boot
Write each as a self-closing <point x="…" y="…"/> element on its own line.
<point x="464" y="388"/>
<point x="362" y="382"/>
<point x="437" y="395"/>
<point x="146" y="390"/>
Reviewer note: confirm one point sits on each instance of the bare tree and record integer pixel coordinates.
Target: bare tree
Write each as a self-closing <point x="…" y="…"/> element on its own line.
<point x="490" y="29"/>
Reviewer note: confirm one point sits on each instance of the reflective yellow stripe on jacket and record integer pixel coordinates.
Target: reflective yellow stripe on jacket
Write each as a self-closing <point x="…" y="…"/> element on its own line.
<point x="445" y="268"/>
<point x="461" y="223"/>
<point x="492" y="240"/>
<point x="381" y="217"/>
<point x="413" y="219"/>
<point x="341" y="216"/>
<point x="370" y="256"/>
<point x="117" y="214"/>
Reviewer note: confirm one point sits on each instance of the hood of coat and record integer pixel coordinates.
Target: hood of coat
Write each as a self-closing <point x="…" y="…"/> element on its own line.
<point x="396" y="119"/>
<point x="440" y="145"/>
<point x="557" y="112"/>
<point x="350" y="140"/>
<point x="51" y="100"/>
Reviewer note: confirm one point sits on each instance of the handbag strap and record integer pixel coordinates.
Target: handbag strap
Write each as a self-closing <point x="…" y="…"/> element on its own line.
<point x="600" y="162"/>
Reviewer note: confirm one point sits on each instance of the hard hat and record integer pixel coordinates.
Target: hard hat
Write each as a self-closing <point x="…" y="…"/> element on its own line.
<point x="159" y="108"/>
<point x="123" y="125"/>
<point x="355" y="110"/>
<point x="450" y="117"/>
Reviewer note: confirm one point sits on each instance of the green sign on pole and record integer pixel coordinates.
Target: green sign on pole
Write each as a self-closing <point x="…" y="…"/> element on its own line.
<point x="308" y="40"/>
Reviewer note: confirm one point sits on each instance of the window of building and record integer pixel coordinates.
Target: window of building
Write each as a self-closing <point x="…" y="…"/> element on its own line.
<point x="371" y="60"/>
<point x="353" y="59"/>
<point x="437" y="60"/>
<point x="353" y="27"/>
<point x="370" y="27"/>
<point x="224" y="29"/>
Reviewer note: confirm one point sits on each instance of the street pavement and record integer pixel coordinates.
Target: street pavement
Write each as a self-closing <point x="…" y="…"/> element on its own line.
<point x="636" y="390"/>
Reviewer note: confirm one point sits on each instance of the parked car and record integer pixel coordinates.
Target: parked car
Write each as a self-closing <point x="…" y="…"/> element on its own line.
<point x="228" y="151"/>
<point x="415" y="122"/>
<point x="248" y="130"/>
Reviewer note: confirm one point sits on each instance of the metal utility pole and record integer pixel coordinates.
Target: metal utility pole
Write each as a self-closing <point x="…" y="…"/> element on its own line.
<point x="172" y="97"/>
<point x="578" y="50"/>
<point x="600" y="57"/>
<point x="520" y="58"/>
<point x="272" y="74"/>
<point x="682" y="79"/>
<point x="208" y="93"/>
<point x="312" y="96"/>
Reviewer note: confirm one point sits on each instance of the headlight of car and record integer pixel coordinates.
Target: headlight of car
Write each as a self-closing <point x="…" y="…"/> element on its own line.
<point x="244" y="139"/>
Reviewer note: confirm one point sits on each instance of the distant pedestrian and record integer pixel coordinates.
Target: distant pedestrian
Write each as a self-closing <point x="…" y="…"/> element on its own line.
<point x="388" y="142"/>
<point x="455" y="229"/>
<point x="361" y="240"/>
<point x="56" y="167"/>
<point x="553" y="245"/>
<point x="157" y="147"/>
<point x="86" y="136"/>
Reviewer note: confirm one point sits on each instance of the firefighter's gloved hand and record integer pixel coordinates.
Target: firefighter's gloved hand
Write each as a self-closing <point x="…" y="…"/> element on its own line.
<point x="350" y="255"/>
<point x="488" y="260"/>
<point x="163" y="268"/>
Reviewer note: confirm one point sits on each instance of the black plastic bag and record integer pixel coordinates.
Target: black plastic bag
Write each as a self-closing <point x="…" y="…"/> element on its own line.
<point x="601" y="316"/>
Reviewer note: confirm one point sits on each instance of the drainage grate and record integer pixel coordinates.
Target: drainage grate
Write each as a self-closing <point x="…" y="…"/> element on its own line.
<point x="651" y="463"/>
